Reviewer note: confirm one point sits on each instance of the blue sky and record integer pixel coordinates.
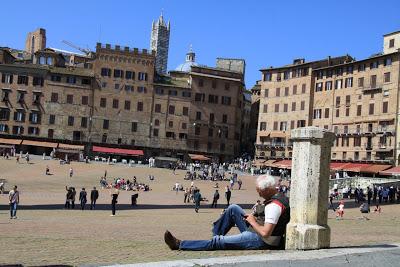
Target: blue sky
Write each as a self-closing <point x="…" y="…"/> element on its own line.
<point x="264" y="33"/>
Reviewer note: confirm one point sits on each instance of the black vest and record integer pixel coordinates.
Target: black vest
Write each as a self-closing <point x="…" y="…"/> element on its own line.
<point x="280" y="227"/>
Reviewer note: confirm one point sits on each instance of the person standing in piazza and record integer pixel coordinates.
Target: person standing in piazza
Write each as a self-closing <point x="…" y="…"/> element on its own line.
<point x="13" y="198"/>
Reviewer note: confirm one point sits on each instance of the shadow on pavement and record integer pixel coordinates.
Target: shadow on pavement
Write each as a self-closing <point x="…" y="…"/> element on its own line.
<point x="120" y="207"/>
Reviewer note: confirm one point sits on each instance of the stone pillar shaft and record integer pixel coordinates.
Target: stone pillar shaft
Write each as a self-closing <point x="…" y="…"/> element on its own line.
<point x="308" y="228"/>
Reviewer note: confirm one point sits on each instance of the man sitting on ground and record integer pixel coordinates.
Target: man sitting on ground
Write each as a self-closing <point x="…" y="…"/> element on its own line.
<point x="257" y="231"/>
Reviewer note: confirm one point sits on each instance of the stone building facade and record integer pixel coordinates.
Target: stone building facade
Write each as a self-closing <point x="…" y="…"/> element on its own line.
<point x="357" y="100"/>
<point x="114" y="97"/>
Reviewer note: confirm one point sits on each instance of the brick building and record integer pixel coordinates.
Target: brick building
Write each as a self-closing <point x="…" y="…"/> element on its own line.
<point x="358" y="100"/>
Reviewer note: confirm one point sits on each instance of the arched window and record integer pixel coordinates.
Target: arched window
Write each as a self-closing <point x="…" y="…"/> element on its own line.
<point x="49" y="61"/>
<point x="42" y="60"/>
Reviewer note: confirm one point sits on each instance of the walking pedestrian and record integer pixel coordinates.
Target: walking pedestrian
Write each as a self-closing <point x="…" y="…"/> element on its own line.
<point x="68" y="197"/>
<point x="185" y="195"/>
<point x="13" y="198"/>
<point x="83" y="198"/>
<point x="114" y="201"/>
<point x="71" y="172"/>
<point x="228" y="194"/>
<point x="73" y="197"/>
<point x="340" y="211"/>
<point x="94" y="195"/>
<point x="215" y="199"/>
<point x="197" y="199"/>
<point x="240" y="184"/>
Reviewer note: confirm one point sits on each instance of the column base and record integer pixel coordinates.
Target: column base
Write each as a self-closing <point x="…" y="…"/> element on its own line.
<point x="307" y="236"/>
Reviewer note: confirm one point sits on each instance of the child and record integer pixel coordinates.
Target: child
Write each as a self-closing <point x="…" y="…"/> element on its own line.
<point x="377" y="208"/>
<point x="340" y="210"/>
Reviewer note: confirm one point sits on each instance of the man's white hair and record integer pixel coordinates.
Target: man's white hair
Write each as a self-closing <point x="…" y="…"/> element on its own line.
<point x="265" y="181"/>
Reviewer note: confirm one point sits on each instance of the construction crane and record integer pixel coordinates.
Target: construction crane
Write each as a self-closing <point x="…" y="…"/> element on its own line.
<point x="84" y="50"/>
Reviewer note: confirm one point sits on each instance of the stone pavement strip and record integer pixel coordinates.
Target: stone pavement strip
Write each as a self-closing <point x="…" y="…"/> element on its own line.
<point x="365" y="256"/>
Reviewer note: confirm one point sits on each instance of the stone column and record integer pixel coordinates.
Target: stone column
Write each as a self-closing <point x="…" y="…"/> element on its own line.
<point x="308" y="227"/>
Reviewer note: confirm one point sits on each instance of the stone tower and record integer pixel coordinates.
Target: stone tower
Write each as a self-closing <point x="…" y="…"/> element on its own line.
<point x="35" y="41"/>
<point x="160" y="43"/>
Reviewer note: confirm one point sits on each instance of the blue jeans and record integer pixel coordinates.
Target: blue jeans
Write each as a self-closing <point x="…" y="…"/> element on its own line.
<point x="13" y="209"/>
<point x="232" y="216"/>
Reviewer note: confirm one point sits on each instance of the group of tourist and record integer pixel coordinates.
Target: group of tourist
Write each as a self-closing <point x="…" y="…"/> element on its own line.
<point x="70" y="198"/>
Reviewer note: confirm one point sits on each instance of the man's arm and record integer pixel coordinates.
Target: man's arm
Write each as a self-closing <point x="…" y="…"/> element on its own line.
<point x="263" y="230"/>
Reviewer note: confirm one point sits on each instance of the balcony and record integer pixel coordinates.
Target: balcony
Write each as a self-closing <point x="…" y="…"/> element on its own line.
<point x="372" y="88"/>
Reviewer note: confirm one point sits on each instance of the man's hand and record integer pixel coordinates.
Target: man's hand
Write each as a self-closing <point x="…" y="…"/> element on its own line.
<point x="250" y="219"/>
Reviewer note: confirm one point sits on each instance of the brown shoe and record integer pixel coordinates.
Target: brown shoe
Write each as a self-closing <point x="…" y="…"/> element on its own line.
<point x="171" y="241"/>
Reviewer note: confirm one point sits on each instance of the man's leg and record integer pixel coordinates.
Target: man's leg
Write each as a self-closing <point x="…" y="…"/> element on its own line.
<point x="244" y="240"/>
<point x="11" y="210"/>
<point x="232" y="216"/>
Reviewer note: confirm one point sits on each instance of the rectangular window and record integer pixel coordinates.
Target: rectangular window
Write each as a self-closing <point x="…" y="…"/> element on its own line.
<point x="159" y="91"/>
<point x="172" y="92"/>
<point x="127" y="105"/>
<point x="317" y="114"/>
<point x="338" y="84"/>
<point x="22" y="79"/>
<point x="129" y="88"/>
<point x="318" y="87"/>
<point x="214" y="84"/>
<point x="292" y="124"/>
<point x="83" y="122"/>
<point x="85" y="100"/>
<point x="118" y="73"/>
<point x="212" y="117"/>
<point x="349" y="82"/>
<point x="103" y="102"/>
<point x="71" y="121"/>
<point x="197" y="130"/>
<point x="326" y="113"/>
<point x="374" y="65"/>
<point x="34" y="117"/>
<point x="54" y="98"/>
<point x="286" y="75"/>
<point x="347" y="112"/>
<point x="116" y="86"/>
<point x="7" y="78"/>
<point x="70" y="99"/>
<point x="184" y="125"/>
<point x="283" y="126"/>
<point x="267" y="76"/>
<point x="106" y="124"/>
<point x="171" y="110"/>
<point x="155" y="132"/>
<point x="224" y="118"/>
<point x="285" y="107"/>
<point x="302" y="105"/>
<point x="294" y="89"/>
<point x="385" y="106"/>
<point x="198" y="97"/>
<point x="286" y="91"/>
<point x="328" y="86"/>
<point x="105" y="72"/>
<point x="387" y="61"/>
<point x="263" y="126"/>
<point x="266" y="92"/>
<point x="338" y="101"/>
<point x="347" y="100"/>
<point x="359" y="108"/>
<point x="134" y="126"/>
<point x="37" y="81"/>
<point x="226" y="100"/>
<point x="337" y="113"/>
<point x="201" y="83"/>
<point x="386" y="77"/>
<point x="293" y="106"/>
<point x="185" y="111"/>
<point x="140" y="106"/>
<point x="157" y="108"/>
<point x="142" y="76"/>
<point x="115" y="103"/>
<point x="52" y="119"/>
<point x="303" y="88"/>
<point x="210" y="132"/>
<point x="391" y="43"/>
<point x="71" y="79"/>
<point x="265" y="109"/>
<point x="361" y="82"/>
<point x="142" y="89"/>
<point x="198" y="115"/>
<point x="275" y="126"/>
<point x="227" y="86"/>
<point x="278" y="92"/>
<point x="130" y="75"/>
<point x="19" y="116"/>
<point x="213" y="99"/>
<point x="361" y="67"/>
<point x="186" y="94"/>
<point x="373" y="81"/>
<point x="276" y="108"/>
<point x="371" y="109"/>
